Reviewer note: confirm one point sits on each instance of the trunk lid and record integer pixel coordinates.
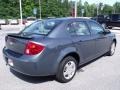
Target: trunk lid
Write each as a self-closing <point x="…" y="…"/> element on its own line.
<point x="17" y="42"/>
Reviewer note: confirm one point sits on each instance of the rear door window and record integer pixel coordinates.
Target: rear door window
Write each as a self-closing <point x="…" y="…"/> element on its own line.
<point x="78" y="28"/>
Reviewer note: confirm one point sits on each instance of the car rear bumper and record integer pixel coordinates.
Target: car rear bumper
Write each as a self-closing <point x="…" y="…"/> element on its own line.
<point x="29" y="67"/>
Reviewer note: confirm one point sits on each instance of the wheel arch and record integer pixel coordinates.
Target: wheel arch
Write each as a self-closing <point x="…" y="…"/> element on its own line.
<point x="71" y="51"/>
<point x="74" y="55"/>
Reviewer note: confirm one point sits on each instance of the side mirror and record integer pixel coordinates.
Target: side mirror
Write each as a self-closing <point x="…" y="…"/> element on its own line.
<point x="105" y="32"/>
<point x="108" y="31"/>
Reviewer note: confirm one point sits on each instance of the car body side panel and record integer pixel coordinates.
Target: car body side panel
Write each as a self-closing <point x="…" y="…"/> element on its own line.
<point x="57" y="44"/>
<point x="60" y="50"/>
<point x="62" y="54"/>
<point x="86" y="47"/>
<point x="103" y="43"/>
<point x="56" y="49"/>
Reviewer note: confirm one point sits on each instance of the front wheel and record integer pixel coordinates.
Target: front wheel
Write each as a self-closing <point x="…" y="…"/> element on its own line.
<point x="109" y="27"/>
<point x="67" y="69"/>
<point x="112" y="49"/>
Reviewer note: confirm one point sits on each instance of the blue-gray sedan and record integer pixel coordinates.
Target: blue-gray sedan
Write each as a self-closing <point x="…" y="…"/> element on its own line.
<point x="57" y="47"/>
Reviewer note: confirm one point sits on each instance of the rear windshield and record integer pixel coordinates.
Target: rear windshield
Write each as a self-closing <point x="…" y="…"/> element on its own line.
<point x="41" y="27"/>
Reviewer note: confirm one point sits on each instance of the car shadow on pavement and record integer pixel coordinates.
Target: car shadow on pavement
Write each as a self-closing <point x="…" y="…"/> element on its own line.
<point x="32" y="79"/>
<point x="90" y="62"/>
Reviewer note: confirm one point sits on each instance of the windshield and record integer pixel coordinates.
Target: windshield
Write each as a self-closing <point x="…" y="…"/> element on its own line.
<point x="41" y="27"/>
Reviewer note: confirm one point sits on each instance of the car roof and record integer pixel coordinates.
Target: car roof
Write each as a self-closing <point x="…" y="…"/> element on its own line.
<point x="70" y="18"/>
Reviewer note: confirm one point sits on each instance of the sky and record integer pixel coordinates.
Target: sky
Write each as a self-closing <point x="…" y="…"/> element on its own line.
<point x="110" y="2"/>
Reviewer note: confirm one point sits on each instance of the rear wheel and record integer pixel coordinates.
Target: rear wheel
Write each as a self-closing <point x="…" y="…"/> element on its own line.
<point x="112" y="49"/>
<point x="67" y="69"/>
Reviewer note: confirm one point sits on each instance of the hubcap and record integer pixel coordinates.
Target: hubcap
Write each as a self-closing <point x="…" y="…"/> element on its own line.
<point x="113" y="48"/>
<point x="69" y="70"/>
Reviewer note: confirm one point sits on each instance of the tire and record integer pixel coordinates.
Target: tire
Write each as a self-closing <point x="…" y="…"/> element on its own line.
<point x="112" y="49"/>
<point x="64" y="74"/>
<point x="0" y="27"/>
<point x="109" y="27"/>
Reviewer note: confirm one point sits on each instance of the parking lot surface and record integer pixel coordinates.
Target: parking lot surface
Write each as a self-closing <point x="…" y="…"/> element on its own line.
<point x="101" y="74"/>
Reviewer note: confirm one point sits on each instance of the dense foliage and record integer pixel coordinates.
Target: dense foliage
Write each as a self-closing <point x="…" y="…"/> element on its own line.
<point x="53" y="8"/>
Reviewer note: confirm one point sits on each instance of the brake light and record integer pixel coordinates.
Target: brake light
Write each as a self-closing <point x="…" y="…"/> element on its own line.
<point x="33" y="48"/>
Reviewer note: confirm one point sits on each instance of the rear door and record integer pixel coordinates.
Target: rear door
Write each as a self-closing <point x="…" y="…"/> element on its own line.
<point x="82" y="39"/>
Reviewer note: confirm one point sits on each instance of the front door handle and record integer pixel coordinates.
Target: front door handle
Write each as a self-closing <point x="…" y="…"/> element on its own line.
<point x="101" y="37"/>
<point x="81" y="41"/>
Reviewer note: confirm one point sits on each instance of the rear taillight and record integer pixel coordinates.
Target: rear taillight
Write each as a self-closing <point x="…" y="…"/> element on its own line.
<point x="32" y="48"/>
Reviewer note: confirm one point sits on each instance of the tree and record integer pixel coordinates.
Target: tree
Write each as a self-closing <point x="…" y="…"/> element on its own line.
<point x="53" y="8"/>
<point x="27" y="8"/>
<point x="100" y="7"/>
<point x="88" y="10"/>
<point x="107" y="9"/>
<point x="93" y="10"/>
<point x="9" y="9"/>
<point x="66" y="8"/>
<point x="80" y="7"/>
<point x="116" y="7"/>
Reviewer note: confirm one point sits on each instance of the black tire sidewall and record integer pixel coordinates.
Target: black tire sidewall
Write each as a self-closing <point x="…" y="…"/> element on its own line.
<point x="109" y="27"/>
<point x="110" y="53"/>
<point x="111" y="47"/>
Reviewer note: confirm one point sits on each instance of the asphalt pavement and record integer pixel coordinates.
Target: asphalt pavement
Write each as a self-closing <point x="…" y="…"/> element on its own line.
<point x="101" y="74"/>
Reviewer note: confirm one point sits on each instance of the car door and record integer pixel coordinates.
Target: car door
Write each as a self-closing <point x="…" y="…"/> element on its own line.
<point x="82" y="40"/>
<point x="102" y="40"/>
